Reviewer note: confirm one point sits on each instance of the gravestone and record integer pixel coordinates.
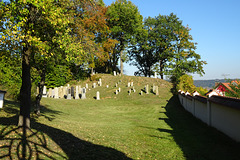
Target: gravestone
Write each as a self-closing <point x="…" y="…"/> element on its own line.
<point x="154" y="88"/>
<point x="116" y="85"/>
<point x="65" y="92"/>
<point x="94" y="85"/>
<point x="53" y="93"/>
<point x="100" y="82"/>
<point x="107" y="86"/>
<point x="98" y="95"/>
<point x="128" y="84"/>
<point x="155" y="75"/>
<point x="50" y="92"/>
<point x="146" y="89"/>
<point x="2" y="93"/>
<point x="83" y="93"/>
<point x="131" y="84"/>
<point x="77" y="93"/>
<point x="157" y="91"/>
<point x="44" y="91"/>
<point x="72" y="91"/>
<point x="119" y="89"/>
<point x="141" y="93"/>
<point x="69" y="94"/>
<point x="116" y="92"/>
<point x="114" y="73"/>
<point x="61" y="92"/>
<point x="56" y="93"/>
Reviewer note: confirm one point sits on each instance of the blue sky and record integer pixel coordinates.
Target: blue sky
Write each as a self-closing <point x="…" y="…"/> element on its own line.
<point x="215" y="27"/>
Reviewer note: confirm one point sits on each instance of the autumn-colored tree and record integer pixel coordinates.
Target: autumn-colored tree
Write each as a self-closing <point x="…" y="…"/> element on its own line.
<point x="92" y="30"/>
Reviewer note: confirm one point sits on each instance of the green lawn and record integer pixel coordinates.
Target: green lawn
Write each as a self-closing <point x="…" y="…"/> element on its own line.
<point x="120" y="127"/>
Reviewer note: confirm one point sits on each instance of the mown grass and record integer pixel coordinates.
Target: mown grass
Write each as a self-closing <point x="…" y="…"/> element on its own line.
<point x="116" y="127"/>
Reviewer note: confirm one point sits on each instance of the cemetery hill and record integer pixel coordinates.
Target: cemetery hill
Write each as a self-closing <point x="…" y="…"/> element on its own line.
<point x="63" y="95"/>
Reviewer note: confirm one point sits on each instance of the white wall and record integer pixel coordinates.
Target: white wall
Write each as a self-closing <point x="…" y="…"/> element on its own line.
<point x="224" y="118"/>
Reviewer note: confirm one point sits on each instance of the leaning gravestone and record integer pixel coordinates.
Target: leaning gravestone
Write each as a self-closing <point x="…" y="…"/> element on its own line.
<point x="83" y="93"/>
<point x="77" y="94"/>
<point x="98" y="95"/>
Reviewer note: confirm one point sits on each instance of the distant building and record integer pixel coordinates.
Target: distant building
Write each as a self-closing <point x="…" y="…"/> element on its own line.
<point x="222" y="88"/>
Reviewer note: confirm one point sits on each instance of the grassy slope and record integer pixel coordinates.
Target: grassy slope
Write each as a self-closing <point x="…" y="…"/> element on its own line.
<point x="117" y="127"/>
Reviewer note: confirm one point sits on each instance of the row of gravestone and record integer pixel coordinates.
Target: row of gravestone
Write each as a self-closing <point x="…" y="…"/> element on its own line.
<point x="78" y="92"/>
<point x="66" y="92"/>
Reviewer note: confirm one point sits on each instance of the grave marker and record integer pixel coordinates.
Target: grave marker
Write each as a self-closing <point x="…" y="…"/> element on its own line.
<point x="98" y="95"/>
<point x="77" y="93"/>
<point x="83" y="93"/>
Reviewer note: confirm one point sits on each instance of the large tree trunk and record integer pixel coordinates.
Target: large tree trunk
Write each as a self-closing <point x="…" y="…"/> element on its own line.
<point x="161" y="68"/>
<point x="25" y="92"/>
<point x="121" y="63"/>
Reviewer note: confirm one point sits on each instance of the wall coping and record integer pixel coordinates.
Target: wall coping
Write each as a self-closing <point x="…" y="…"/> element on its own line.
<point x="200" y="98"/>
<point x="226" y="101"/>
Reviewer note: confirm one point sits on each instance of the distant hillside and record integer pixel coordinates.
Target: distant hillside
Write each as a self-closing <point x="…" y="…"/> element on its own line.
<point x="208" y="83"/>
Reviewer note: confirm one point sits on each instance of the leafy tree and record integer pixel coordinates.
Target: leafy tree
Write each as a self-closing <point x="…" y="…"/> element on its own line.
<point x="36" y="28"/>
<point x="125" y="22"/>
<point x="186" y="84"/>
<point x="184" y="59"/>
<point x="142" y="55"/>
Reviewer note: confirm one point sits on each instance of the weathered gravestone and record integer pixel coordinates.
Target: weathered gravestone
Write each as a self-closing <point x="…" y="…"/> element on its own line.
<point x="77" y="94"/>
<point x="50" y="92"/>
<point x="72" y="91"/>
<point x="94" y="85"/>
<point x="156" y="91"/>
<point x="53" y="93"/>
<point x="44" y="91"/>
<point x="69" y="94"/>
<point x="56" y="93"/>
<point x="146" y="89"/>
<point x="83" y="93"/>
<point x="131" y="84"/>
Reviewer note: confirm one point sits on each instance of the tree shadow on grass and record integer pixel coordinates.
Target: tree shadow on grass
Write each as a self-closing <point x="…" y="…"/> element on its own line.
<point x="46" y="142"/>
<point x="195" y="138"/>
